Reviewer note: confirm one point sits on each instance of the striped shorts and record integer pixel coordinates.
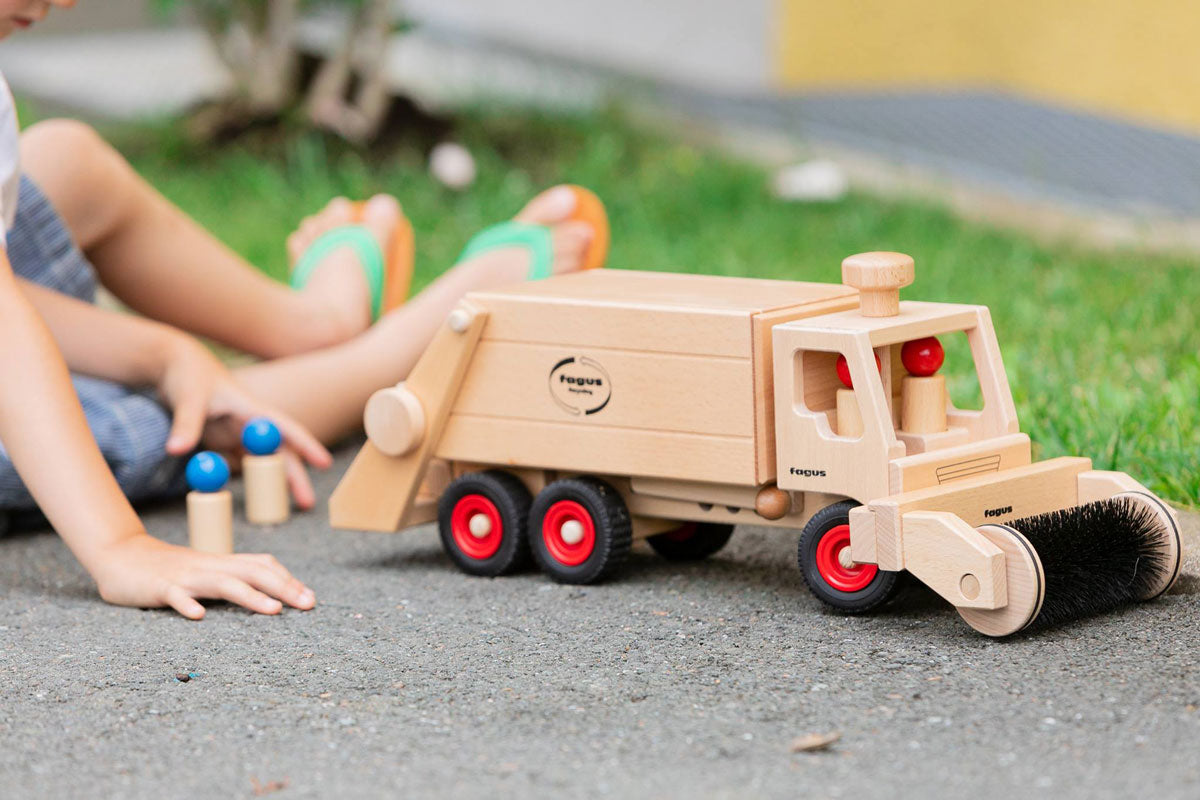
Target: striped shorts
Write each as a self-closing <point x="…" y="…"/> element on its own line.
<point x="129" y="424"/>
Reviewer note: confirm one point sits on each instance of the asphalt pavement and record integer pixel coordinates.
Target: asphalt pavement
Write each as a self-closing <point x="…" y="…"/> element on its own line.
<point x="411" y="679"/>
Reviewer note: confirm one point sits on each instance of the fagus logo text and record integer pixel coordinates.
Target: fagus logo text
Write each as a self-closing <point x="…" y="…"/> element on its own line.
<point x="808" y="473"/>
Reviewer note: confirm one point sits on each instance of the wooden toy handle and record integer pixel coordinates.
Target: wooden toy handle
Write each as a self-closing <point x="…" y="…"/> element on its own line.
<point x="394" y="420"/>
<point x="878" y="278"/>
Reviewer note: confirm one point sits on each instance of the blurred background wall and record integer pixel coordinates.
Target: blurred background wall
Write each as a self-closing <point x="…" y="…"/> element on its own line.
<point x="724" y="45"/>
<point x="1090" y="105"/>
<point x="1129" y="58"/>
<point x="95" y="16"/>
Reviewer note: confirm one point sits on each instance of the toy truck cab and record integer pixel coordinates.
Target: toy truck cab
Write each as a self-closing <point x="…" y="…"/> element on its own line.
<point x="855" y="441"/>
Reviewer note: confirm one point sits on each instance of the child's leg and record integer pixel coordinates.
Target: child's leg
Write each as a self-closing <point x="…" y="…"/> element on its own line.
<point x="129" y="426"/>
<point x="326" y="390"/>
<point x="162" y="264"/>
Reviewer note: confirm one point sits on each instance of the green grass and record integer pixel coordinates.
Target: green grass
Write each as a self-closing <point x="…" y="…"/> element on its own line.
<point x="1101" y="347"/>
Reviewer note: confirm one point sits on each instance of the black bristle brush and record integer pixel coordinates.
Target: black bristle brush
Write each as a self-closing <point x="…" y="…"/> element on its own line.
<point x="1099" y="556"/>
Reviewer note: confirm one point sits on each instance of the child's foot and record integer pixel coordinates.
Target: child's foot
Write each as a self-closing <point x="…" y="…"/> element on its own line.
<point x="338" y="285"/>
<point x="569" y="239"/>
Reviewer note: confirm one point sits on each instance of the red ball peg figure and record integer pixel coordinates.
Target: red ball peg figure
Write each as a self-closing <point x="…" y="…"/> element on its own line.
<point x="843" y="370"/>
<point x="922" y="392"/>
<point x="849" y="416"/>
<point x="923" y="357"/>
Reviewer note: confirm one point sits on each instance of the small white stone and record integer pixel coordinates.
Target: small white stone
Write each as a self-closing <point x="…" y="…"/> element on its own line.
<point x="480" y="525"/>
<point x="452" y="165"/>
<point x="571" y="531"/>
<point x="820" y="180"/>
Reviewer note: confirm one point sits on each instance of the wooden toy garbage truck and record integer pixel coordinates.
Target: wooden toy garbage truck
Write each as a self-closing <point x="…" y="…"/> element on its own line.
<point x="564" y="419"/>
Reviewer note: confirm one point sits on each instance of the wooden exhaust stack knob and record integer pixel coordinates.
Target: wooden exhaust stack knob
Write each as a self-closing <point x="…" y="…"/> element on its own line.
<point x="878" y="278"/>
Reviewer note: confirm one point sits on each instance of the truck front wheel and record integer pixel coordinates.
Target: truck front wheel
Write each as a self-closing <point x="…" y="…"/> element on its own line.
<point x="579" y="530"/>
<point x="824" y="557"/>
<point x="482" y="520"/>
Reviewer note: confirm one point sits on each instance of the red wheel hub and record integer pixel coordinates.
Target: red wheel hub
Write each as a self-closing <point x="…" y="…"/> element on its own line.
<point x="569" y="533"/>
<point x="476" y="526"/>
<point x="854" y="578"/>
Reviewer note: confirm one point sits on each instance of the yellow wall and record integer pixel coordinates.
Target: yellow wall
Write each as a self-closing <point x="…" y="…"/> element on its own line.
<point x="1139" y="60"/>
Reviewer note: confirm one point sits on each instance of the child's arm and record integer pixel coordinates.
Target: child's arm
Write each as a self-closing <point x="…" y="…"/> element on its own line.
<point x="141" y="352"/>
<point x="48" y="440"/>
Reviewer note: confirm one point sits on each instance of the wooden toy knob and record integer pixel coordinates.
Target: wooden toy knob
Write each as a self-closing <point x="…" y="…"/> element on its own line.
<point x="878" y="278"/>
<point x="771" y="502"/>
<point x="394" y="420"/>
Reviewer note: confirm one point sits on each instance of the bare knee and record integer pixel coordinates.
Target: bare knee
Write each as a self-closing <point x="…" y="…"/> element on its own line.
<point x="55" y="146"/>
<point x="84" y="178"/>
<point x="60" y="134"/>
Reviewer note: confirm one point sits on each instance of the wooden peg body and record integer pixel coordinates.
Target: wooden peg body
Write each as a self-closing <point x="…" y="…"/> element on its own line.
<point x="849" y="416"/>
<point x="210" y="521"/>
<point x="923" y="404"/>
<point x="267" y="501"/>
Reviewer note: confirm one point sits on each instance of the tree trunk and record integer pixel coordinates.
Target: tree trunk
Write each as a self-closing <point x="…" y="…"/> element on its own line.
<point x="363" y="50"/>
<point x="256" y="41"/>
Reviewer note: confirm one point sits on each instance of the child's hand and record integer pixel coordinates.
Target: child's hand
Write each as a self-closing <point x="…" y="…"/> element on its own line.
<point x="143" y="572"/>
<point x="200" y="392"/>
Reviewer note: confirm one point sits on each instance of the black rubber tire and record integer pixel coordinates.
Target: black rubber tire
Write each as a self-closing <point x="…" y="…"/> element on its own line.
<point x="610" y="521"/>
<point x="706" y="538"/>
<point x="876" y="593"/>
<point x="511" y="499"/>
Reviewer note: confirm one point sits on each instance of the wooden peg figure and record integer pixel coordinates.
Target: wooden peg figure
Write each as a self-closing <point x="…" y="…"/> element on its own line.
<point x="267" y="501"/>
<point x="209" y="504"/>
<point x="849" y="415"/>
<point x="923" y="391"/>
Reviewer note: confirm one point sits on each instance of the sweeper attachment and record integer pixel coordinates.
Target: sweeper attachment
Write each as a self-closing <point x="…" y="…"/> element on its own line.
<point x="1106" y="542"/>
<point x="555" y="423"/>
<point x="1084" y="560"/>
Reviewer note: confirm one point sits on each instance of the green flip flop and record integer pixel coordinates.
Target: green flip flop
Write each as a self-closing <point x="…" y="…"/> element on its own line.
<point x="534" y="238"/>
<point x="370" y="257"/>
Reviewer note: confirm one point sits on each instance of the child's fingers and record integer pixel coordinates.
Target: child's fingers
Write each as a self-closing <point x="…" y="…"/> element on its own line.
<point x="187" y="424"/>
<point x="235" y="590"/>
<point x="276" y="582"/>
<point x="178" y="599"/>
<point x="294" y="435"/>
<point x="243" y="407"/>
<point x="263" y="558"/>
<point x="254" y="562"/>
<point x="299" y="483"/>
<point x="303" y="442"/>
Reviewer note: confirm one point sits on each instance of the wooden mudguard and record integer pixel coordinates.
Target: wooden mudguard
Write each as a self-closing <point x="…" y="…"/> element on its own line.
<point x="377" y="490"/>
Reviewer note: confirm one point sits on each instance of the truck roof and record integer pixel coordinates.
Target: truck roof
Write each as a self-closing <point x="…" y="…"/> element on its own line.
<point x="664" y="290"/>
<point x="916" y="319"/>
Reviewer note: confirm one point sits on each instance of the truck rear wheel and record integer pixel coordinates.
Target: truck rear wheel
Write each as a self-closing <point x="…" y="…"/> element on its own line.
<point x="580" y="530"/>
<point x="824" y="557"/>
<point x="692" y="541"/>
<point x="483" y="519"/>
